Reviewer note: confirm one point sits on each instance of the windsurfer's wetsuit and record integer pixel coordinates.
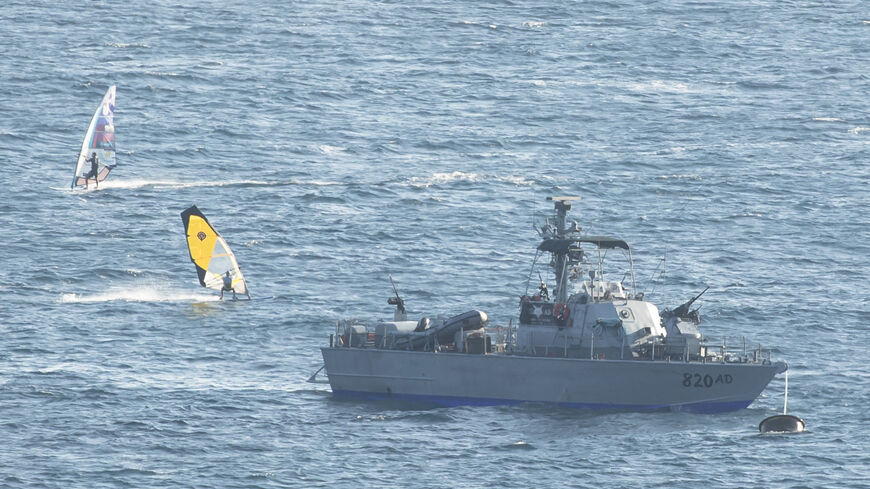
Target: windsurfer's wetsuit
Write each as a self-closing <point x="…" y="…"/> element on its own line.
<point x="95" y="170"/>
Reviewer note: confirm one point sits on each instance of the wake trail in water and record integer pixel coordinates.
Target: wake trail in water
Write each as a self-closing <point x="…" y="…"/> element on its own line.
<point x="434" y="179"/>
<point x="175" y="184"/>
<point x="139" y="294"/>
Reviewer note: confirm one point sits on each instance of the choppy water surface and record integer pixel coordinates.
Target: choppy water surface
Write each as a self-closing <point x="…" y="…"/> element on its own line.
<point x="334" y="143"/>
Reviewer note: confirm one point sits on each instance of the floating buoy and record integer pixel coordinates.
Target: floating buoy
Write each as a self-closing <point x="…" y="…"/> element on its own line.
<point x="783" y="423"/>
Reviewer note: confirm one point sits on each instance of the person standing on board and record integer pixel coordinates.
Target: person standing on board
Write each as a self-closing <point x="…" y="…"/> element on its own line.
<point x="95" y="169"/>
<point x="228" y="285"/>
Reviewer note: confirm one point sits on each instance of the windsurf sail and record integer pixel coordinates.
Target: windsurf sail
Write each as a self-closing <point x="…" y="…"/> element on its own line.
<point x="99" y="139"/>
<point x="210" y="253"/>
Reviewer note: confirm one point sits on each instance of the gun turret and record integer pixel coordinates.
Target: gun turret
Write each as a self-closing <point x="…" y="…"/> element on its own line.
<point x="683" y="309"/>
<point x="400" y="314"/>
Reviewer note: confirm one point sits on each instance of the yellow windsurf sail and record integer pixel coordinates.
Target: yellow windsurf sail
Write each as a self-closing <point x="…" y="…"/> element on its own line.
<point x="210" y="253"/>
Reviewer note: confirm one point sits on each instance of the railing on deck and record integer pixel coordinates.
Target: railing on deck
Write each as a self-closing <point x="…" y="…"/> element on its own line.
<point x="712" y="350"/>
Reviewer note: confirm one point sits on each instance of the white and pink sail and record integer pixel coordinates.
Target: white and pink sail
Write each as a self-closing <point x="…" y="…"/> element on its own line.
<point x="99" y="139"/>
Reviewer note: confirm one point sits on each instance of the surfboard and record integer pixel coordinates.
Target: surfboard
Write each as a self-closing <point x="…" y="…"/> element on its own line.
<point x="210" y="254"/>
<point x="100" y="140"/>
<point x="229" y="299"/>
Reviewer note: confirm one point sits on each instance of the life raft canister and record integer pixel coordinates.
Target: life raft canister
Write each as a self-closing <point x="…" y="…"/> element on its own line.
<point x="561" y="311"/>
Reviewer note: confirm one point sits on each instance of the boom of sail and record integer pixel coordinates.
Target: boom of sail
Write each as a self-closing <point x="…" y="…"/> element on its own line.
<point x="210" y="253"/>
<point x="99" y="139"/>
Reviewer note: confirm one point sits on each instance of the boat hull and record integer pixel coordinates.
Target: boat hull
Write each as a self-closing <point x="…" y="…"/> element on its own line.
<point x="453" y="379"/>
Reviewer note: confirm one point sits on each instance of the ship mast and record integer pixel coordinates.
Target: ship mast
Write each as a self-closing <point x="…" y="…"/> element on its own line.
<point x="560" y="266"/>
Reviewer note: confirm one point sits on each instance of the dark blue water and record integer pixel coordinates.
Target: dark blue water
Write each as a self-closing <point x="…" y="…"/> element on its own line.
<point x="334" y="143"/>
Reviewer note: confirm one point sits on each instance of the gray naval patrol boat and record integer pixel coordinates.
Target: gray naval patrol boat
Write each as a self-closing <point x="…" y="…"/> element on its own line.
<point x="595" y="343"/>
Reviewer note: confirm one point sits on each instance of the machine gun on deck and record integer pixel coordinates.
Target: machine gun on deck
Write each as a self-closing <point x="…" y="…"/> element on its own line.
<point x="682" y="311"/>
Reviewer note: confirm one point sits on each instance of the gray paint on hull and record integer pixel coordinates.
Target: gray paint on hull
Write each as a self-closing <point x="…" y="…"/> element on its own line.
<point x="628" y="384"/>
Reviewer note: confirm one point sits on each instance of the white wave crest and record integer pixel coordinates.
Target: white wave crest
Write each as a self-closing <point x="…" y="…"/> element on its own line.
<point x="660" y="86"/>
<point x="688" y="176"/>
<point x="329" y="150"/>
<point x="128" y="45"/>
<point x="458" y="176"/>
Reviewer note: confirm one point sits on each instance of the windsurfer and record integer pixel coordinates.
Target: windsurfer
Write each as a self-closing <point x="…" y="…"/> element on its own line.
<point x="228" y="285"/>
<point x="94" y="160"/>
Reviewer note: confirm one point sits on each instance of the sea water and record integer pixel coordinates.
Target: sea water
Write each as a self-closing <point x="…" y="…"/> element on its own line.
<point x="336" y="143"/>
